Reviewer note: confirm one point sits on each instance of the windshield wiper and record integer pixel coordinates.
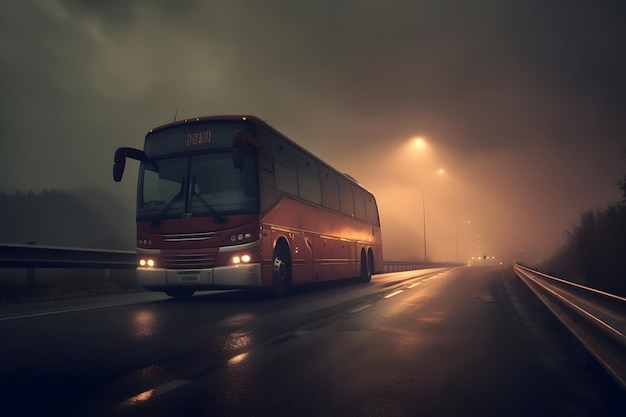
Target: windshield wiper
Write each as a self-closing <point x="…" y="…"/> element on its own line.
<point x="218" y="217"/>
<point x="156" y="222"/>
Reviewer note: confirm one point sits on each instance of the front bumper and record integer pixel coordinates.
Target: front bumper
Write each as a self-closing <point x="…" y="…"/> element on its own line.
<point x="232" y="276"/>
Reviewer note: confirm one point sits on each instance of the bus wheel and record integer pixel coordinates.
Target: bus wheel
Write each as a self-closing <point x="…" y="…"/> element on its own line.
<point x="180" y="293"/>
<point x="366" y="271"/>
<point x="370" y="262"/>
<point x="281" y="271"/>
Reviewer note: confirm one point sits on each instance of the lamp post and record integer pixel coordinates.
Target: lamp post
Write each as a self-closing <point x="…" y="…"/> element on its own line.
<point x="461" y="240"/>
<point x="421" y="145"/>
<point x="440" y="171"/>
<point x="424" y="220"/>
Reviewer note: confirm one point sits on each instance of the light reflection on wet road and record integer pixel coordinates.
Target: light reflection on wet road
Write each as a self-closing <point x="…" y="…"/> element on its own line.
<point x="437" y="343"/>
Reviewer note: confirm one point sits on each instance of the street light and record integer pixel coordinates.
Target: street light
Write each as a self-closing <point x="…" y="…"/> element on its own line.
<point x="440" y="171"/>
<point x="421" y="145"/>
<point x="424" y="218"/>
<point x="464" y="243"/>
<point x="419" y="142"/>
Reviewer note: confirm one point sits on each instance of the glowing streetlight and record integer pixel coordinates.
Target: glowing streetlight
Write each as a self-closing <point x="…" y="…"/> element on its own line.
<point x="419" y="142"/>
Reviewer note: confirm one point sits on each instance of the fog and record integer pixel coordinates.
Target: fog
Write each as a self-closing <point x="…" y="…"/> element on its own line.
<point x="521" y="103"/>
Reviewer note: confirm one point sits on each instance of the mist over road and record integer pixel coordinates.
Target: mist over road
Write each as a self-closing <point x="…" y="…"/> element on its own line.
<point x="464" y="341"/>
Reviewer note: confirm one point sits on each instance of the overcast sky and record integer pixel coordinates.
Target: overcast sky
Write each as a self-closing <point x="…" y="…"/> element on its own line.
<point x="521" y="102"/>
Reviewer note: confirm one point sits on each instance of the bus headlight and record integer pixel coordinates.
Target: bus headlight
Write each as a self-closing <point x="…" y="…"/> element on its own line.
<point x="241" y="259"/>
<point x="146" y="262"/>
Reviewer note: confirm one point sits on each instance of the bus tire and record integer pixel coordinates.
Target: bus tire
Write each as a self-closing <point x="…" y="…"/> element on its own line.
<point x="281" y="269"/>
<point x="180" y="293"/>
<point x="366" y="271"/>
<point x="370" y="262"/>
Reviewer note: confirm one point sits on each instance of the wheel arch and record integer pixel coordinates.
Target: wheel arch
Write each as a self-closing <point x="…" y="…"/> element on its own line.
<point x="365" y="265"/>
<point x="282" y="250"/>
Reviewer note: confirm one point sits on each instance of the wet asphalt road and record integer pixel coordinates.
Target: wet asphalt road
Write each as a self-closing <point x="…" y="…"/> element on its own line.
<point x="459" y="342"/>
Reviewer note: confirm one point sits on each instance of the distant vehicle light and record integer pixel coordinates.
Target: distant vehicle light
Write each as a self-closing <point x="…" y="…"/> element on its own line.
<point x="245" y="258"/>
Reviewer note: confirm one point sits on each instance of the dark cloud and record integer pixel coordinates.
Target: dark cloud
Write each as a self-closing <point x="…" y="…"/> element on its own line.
<point x="521" y="101"/>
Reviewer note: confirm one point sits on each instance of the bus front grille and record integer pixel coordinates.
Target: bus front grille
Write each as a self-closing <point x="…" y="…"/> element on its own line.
<point x="186" y="237"/>
<point x="189" y="260"/>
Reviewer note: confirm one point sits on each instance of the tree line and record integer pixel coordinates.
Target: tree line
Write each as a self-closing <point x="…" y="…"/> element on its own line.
<point x="87" y="217"/>
<point x="595" y="250"/>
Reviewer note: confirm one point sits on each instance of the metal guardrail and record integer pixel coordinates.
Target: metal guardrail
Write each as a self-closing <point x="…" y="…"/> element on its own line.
<point x="33" y="257"/>
<point x="36" y="256"/>
<point x="399" y="266"/>
<point x="596" y="318"/>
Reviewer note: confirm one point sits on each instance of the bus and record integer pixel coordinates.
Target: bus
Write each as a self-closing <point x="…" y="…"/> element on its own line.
<point x="228" y="202"/>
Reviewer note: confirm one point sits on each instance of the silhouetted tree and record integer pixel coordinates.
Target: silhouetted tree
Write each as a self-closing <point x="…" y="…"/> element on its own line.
<point x="593" y="253"/>
<point x="622" y="183"/>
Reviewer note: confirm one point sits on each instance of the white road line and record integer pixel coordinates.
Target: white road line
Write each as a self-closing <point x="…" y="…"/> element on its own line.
<point x="154" y="392"/>
<point x="414" y="285"/>
<point x="356" y="310"/>
<point x="69" y="310"/>
<point x="393" y="294"/>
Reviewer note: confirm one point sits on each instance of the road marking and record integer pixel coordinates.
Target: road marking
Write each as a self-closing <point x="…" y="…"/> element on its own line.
<point x="145" y="298"/>
<point x="154" y="392"/>
<point x="71" y="310"/>
<point x="414" y="285"/>
<point x="393" y="294"/>
<point x="356" y="310"/>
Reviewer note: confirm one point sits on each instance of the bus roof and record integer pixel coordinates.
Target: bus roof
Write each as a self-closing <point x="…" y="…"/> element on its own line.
<point x="241" y="117"/>
<point x="258" y="121"/>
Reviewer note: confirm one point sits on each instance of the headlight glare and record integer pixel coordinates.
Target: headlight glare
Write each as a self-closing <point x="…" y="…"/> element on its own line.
<point x="147" y="262"/>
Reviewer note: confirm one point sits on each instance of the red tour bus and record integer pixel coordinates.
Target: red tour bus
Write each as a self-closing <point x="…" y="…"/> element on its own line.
<point x="229" y="202"/>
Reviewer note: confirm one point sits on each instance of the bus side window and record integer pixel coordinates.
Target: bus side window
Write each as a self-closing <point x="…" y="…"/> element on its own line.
<point x="359" y="203"/>
<point x="330" y="190"/>
<point x="345" y="195"/>
<point x="267" y="140"/>
<point x="308" y="179"/>
<point x="371" y="209"/>
<point x="285" y="176"/>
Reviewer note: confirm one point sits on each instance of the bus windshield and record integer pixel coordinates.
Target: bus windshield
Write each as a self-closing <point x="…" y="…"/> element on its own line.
<point x="197" y="185"/>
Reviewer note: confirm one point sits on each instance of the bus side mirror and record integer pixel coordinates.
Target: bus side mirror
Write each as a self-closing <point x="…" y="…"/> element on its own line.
<point x="119" y="160"/>
<point x="118" y="169"/>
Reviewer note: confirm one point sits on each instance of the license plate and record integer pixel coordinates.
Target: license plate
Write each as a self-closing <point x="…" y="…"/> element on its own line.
<point x="193" y="277"/>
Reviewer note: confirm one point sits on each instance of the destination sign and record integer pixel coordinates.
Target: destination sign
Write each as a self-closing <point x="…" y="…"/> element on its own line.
<point x="198" y="138"/>
<point x="194" y="137"/>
